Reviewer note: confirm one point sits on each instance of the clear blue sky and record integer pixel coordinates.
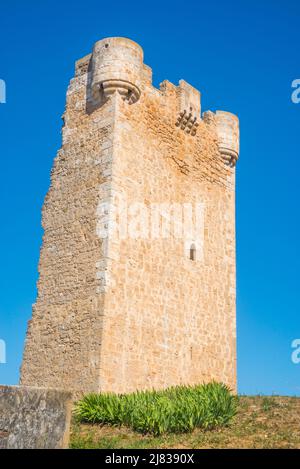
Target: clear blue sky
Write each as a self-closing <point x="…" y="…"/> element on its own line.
<point x="243" y="57"/>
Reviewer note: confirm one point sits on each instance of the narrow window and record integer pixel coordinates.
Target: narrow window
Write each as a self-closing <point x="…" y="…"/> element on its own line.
<point x="193" y="252"/>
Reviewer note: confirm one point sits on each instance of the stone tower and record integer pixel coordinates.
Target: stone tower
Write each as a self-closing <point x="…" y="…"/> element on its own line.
<point x="137" y="269"/>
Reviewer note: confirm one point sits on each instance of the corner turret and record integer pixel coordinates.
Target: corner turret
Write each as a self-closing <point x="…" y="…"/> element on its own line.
<point x="228" y="136"/>
<point x="117" y="65"/>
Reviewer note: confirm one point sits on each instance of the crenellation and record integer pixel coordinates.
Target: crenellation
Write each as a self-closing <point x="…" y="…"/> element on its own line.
<point x="82" y="65"/>
<point x="189" y="99"/>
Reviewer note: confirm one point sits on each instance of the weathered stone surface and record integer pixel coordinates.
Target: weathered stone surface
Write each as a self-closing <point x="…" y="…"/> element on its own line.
<point x="125" y="313"/>
<point x="34" y="417"/>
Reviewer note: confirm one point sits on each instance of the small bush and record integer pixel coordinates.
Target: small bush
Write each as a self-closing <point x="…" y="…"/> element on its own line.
<point x="173" y="410"/>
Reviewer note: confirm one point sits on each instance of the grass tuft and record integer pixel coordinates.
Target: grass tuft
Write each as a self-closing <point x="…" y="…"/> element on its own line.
<point x="174" y="410"/>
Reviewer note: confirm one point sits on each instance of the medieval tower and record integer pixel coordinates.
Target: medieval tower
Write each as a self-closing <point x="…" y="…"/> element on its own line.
<point x="137" y="269"/>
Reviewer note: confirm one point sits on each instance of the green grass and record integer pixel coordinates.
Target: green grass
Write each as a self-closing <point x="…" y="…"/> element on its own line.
<point x="260" y="422"/>
<point x="177" y="409"/>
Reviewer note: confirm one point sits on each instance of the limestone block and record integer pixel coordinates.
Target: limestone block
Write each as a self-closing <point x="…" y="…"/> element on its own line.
<point x="37" y="418"/>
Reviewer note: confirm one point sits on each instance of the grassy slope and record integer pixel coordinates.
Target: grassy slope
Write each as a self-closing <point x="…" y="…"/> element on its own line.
<point x="261" y="422"/>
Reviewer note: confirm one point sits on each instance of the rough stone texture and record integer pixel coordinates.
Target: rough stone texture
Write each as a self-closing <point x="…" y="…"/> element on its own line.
<point x="34" y="418"/>
<point x="121" y="314"/>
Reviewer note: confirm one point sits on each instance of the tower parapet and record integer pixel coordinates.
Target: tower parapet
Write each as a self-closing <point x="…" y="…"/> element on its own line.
<point x="117" y="65"/>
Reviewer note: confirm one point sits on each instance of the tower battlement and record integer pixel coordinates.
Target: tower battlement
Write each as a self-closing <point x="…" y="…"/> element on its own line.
<point x="116" y="65"/>
<point x="136" y="284"/>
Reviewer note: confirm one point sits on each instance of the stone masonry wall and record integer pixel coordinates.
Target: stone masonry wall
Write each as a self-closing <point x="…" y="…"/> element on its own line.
<point x="64" y="336"/>
<point x="169" y="320"/>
